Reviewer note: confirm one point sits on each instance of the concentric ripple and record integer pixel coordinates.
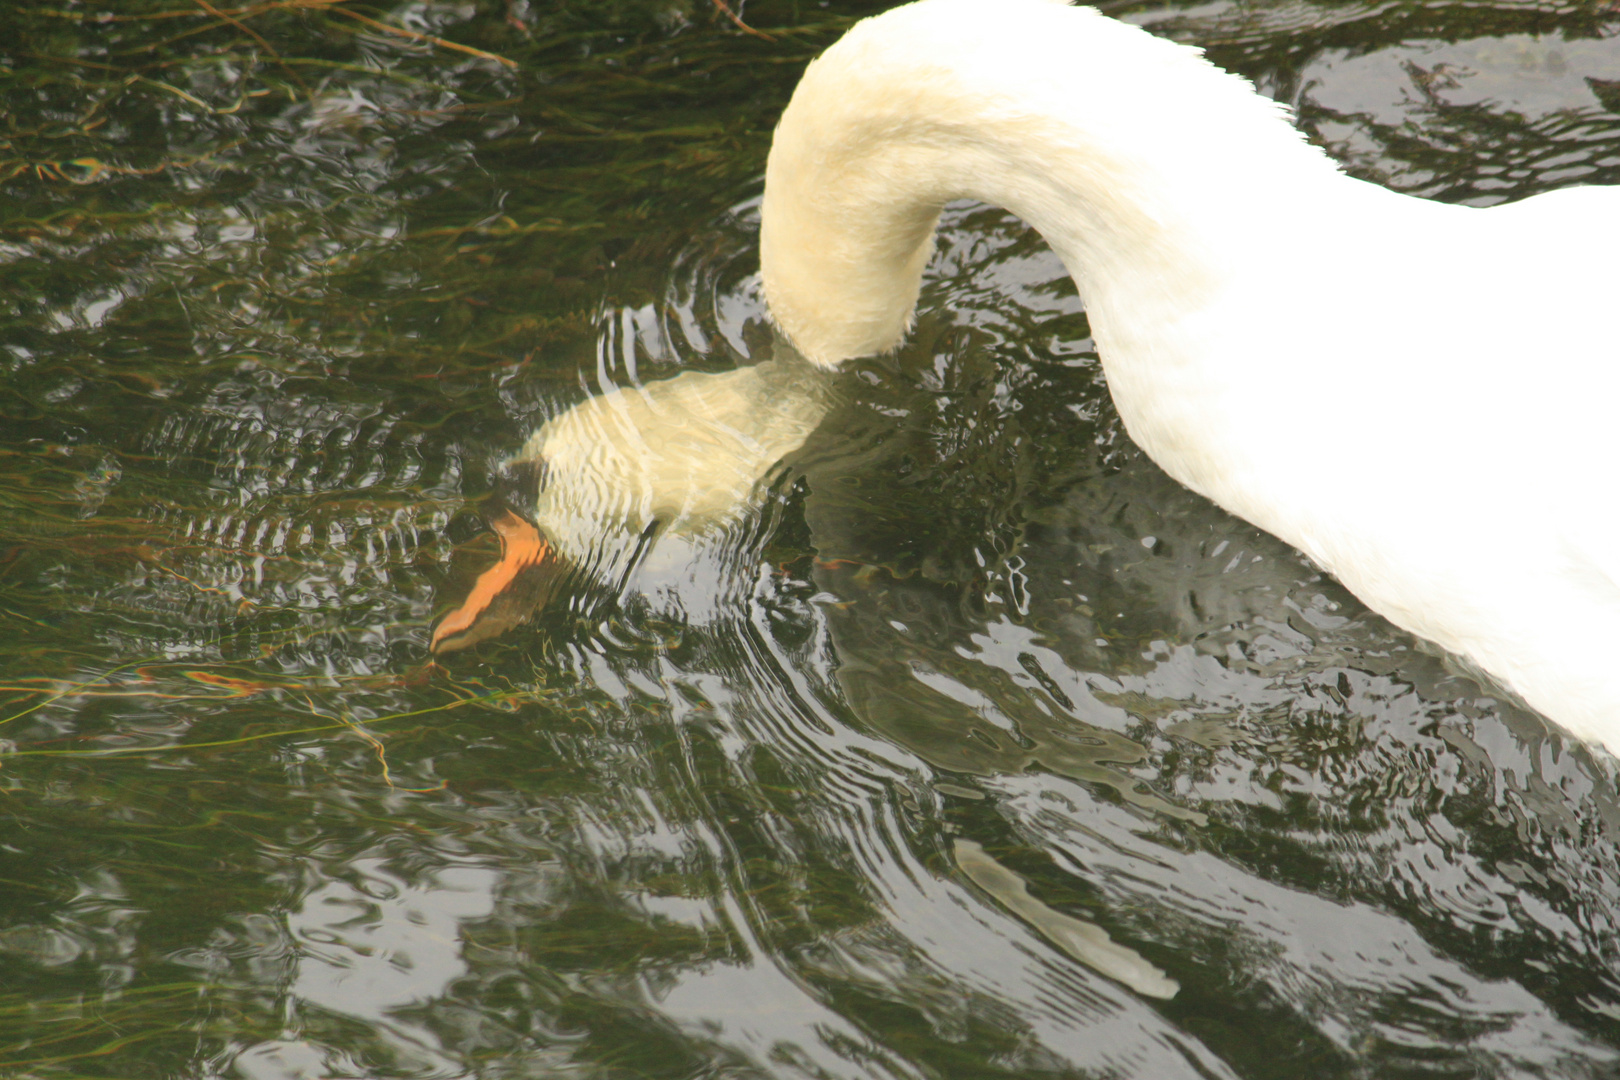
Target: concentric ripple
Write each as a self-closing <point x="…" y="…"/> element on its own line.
<point x="983" y="750"/>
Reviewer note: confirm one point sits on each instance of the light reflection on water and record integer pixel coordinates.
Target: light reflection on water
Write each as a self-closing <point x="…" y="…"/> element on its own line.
<point x="628" y="840"/>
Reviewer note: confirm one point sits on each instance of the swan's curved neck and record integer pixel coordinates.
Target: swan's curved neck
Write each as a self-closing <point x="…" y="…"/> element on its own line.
<point x="1148" y="170"/>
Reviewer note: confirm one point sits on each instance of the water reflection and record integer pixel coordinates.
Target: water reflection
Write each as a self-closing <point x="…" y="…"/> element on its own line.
<point x="808" y="803"/>
<point x="368" y="948"/>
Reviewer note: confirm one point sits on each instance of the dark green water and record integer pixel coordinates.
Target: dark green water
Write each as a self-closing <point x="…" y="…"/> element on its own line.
<point x="280" y="293"/>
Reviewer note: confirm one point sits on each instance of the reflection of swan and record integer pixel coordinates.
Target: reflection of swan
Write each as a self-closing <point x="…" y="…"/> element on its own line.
<point x="1450" y="467"/>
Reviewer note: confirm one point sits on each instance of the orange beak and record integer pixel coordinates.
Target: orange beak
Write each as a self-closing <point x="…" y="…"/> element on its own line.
<point x="507" y="593"/>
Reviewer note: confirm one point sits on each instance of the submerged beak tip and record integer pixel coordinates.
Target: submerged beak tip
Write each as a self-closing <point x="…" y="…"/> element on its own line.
<point x="491" y="606"/>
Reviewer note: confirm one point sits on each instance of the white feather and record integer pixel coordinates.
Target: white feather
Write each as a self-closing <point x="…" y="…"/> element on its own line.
<point x="1417" y="395"/>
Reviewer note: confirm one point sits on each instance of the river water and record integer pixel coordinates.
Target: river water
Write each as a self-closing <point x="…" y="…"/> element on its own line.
<point x="986" y="751"/>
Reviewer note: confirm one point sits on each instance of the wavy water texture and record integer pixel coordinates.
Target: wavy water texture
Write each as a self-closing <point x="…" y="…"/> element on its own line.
<point x="983" y="750"/>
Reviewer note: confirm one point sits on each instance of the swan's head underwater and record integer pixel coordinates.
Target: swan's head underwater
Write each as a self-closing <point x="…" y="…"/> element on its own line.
<point x="664" y="472"/>
<point x="1216" y="252"/>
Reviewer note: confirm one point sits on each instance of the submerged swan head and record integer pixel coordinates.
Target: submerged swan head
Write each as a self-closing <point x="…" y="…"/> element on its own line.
<point x="681" y="463"/>
<point x="1446" y="451"/>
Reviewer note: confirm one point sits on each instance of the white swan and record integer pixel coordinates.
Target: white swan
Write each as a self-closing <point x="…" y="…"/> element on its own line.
<point x="1417" y="395"/>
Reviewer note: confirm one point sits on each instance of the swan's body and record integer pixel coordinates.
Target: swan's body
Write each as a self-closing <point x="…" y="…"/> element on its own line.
<point x="1416" y="395"/>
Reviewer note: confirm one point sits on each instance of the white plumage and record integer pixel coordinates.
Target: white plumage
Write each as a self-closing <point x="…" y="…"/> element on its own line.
<point x="1416" y="395"/>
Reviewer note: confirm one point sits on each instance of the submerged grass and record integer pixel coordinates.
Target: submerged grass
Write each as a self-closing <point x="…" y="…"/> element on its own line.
<point x="205" y="195"/>
<point x="279" y="284"/>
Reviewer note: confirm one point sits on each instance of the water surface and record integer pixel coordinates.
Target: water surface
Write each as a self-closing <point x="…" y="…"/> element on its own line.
<point x="988" y="751"/>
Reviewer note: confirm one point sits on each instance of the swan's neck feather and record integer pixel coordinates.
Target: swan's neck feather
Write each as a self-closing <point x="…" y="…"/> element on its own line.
<point x="1149" y="170"/>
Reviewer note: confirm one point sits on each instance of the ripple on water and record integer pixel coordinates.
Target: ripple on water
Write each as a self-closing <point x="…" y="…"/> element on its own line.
<point x="982" y="724"/>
